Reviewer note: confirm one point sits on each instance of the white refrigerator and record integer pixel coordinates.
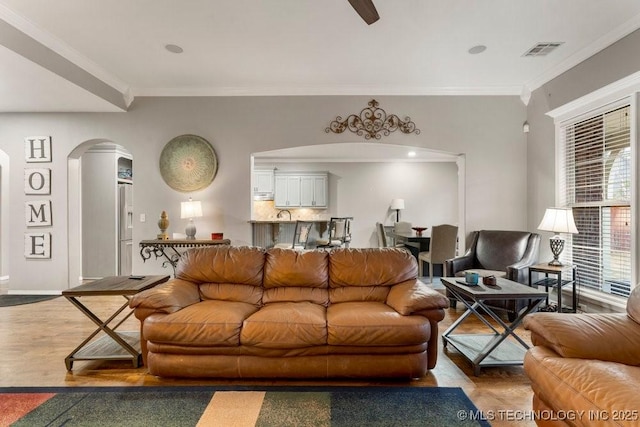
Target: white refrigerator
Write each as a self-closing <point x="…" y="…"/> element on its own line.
<point x="125" y="229"/>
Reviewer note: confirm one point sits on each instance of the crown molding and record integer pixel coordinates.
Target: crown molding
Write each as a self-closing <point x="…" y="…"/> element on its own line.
<point x="608" y="94"/>
<point x="330" y="91"/>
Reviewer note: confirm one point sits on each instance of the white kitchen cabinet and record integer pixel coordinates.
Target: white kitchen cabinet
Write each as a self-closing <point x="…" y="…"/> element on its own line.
<point x="301" y="190"/>
<point x="313" y="190"/>
<point x="287" y="191"/>
<point x="262" y="181"/>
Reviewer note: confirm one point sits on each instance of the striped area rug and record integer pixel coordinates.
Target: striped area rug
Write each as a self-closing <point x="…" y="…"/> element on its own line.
<point x="236" y="406"/>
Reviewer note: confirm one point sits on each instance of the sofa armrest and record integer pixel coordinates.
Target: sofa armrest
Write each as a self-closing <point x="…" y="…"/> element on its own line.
<point x="611" y="337"/>
<point x="167" y="298"/>
<point x="413" y="296"/>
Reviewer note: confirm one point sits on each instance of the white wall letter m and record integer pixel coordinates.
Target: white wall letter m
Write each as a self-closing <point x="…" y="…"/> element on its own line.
<point x="38" y="213"/>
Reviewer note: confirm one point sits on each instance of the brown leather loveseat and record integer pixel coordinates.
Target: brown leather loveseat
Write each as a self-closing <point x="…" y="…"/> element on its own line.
<point x="245" y="312"/>
<point x="585" y="368"/>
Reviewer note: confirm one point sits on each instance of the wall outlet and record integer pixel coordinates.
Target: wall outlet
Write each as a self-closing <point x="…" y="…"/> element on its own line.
<point x="143" y="217"/>
<point x="584" y="308"/>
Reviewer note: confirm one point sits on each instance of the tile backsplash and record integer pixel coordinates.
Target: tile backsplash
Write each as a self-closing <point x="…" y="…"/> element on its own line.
<point x="265" y="210"/>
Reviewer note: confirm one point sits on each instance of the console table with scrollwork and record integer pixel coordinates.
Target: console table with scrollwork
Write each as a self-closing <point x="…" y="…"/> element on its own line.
<point x="168" y="249"/>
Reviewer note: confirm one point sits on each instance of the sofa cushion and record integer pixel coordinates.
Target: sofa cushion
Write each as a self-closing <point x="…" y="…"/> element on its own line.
<point x="287" y="267"/>
<point x="222" y="264"/>
<point x="374" y="324"/>
<point x="359" y="293"/>
<point x="368" y="268"/>
<point x="231" y="292"/>
<point x="296" y="276"/>
<point x="286" y="325"/>
<point x="207" y="323"/>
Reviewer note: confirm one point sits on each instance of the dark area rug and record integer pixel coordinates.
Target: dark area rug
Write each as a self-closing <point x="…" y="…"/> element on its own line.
<point x="238" y="406"/>
<point x="9" y="300"/>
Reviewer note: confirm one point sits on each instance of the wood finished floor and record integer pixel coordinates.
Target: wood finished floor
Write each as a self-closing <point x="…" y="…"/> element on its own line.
<point x="36" y="338"/>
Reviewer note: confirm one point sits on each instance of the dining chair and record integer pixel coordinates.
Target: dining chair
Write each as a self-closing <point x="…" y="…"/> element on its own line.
<point x="383" y="240"/>
<point x="339" y="233"/>
<point x="402" y="227"/>
<point x="300" y="236"/>
<point x="382" y="236"/>
<point x="444" y="239"/>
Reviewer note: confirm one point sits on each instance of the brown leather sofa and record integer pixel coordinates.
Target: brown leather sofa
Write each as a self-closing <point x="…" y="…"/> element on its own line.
<point x="501" y="253"/>
<point x="585" y="368"/>
<point x="244" y="312"/>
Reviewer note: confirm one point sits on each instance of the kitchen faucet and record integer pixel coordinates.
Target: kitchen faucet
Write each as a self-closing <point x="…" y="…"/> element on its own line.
<point x="283" y="211"/>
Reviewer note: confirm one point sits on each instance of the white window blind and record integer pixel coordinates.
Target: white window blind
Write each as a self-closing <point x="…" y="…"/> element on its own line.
<point x="595" y="181"/>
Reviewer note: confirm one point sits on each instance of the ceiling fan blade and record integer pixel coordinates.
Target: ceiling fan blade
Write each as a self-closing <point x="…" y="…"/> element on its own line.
<point x="366" y="10"/>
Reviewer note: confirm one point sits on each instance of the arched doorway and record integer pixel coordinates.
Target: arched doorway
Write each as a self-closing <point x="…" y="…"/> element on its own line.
<point x="385" y="171"/>
<point x="96" y="247"/>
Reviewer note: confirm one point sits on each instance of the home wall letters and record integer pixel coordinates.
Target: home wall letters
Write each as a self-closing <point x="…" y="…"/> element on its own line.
<point x="37" y="181"/>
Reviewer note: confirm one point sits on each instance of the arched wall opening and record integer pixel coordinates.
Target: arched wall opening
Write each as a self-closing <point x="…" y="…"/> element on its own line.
<point x="388" y="159"/>
<point x="78" y="249"/>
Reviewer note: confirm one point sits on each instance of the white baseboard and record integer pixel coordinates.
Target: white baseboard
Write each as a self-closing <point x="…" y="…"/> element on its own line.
<point x="34" y="292"/>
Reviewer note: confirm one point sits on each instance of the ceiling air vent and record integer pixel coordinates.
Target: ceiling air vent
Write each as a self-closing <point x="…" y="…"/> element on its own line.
<point x="542" y="49"/>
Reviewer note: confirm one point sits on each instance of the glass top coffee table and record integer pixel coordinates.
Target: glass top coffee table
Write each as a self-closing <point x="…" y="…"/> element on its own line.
<point x="492" y="349"/>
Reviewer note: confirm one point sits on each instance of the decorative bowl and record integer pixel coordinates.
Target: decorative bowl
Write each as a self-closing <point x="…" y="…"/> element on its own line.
<point x="419" y="230"/>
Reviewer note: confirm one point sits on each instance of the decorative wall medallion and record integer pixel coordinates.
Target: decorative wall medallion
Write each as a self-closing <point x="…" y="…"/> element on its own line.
<point x="188" y="163"/>
<point x="372" y="122"/>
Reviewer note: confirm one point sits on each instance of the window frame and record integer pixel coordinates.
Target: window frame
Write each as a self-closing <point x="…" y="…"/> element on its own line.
<point x="614" y="95"/>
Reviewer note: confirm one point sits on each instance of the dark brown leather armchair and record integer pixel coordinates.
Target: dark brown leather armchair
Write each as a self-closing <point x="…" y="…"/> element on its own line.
<point x="499" y="253"/>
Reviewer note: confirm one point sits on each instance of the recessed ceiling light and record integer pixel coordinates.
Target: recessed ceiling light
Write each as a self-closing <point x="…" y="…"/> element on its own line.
<point x="411" y="154"/>
<point x="477" y="49"/>
<point x="174" y="48"/>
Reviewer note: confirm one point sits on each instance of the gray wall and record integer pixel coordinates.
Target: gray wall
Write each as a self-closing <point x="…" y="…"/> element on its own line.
<point x="611" y="64"/>
<point x="488" y="130"/>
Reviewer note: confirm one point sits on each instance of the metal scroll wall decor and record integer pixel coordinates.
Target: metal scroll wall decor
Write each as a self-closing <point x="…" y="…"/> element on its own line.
<point x="372" y="122"/>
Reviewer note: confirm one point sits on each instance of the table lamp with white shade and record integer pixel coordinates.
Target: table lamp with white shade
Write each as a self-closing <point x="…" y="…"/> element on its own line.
<point x="397" y="205"/>
<point x="191" y="209"/>
<point x="558" y="220"/>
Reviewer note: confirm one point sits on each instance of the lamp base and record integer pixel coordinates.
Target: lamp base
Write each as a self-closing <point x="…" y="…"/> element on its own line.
<point x="191" y="230"/>
<point x="557" y="245"/>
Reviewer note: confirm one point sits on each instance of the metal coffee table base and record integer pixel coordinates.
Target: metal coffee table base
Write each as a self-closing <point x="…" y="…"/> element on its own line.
<point x="484" y="350"/>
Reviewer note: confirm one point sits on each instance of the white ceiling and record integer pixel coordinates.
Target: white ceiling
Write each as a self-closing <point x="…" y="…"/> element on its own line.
<point x="96" y="55"/>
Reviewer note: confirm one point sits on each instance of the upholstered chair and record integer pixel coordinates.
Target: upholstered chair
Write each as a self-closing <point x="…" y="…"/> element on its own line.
<point x="498" y="253"/>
